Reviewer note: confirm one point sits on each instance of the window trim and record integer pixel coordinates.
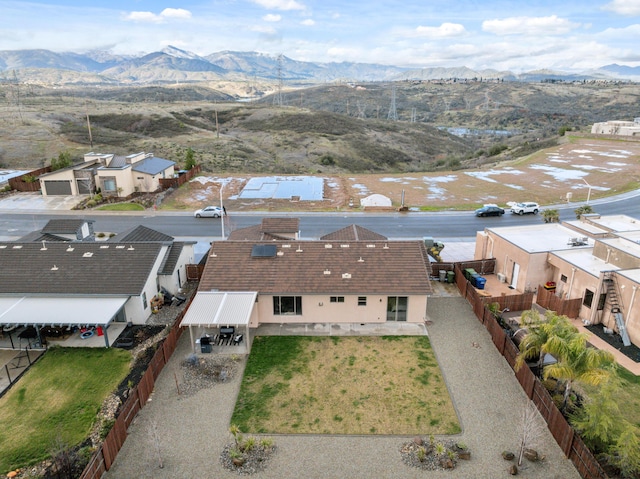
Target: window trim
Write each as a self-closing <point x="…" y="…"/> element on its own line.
<point x="296" y="303"/>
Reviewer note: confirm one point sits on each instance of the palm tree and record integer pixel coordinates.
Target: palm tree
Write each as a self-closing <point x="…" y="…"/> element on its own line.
<point x="539" y="331"/>
<point x="550" y="215"/>
<point x="577" y="362"/>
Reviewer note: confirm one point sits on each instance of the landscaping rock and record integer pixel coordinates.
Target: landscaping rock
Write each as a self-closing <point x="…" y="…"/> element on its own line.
<point x="513" y="470"/>
<point x="531" y="455"/>
<point x="418" y="440"/>
<point x="508" y="456"/>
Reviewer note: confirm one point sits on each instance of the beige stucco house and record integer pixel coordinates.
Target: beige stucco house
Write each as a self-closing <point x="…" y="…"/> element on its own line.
<point x="596" y="259"/>
<point x="113" y="175"/>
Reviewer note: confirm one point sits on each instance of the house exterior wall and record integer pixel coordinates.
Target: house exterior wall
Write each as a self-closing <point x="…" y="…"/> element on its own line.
<point x="534" y="269"/>
<point x="615" y="256"/>
<point x="123" y="178"/>
<point x="135" y="308"/>
<point x="318" y="308"/>
<point x="149" y="183"/>
<point x="173" y="282"/>
<point x="628" y="290"/>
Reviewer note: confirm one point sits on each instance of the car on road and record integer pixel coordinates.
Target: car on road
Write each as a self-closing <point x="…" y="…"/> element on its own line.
<point x="209" y="212"/>
<point x="525" y="208"/>
<point x="490" y="210"/>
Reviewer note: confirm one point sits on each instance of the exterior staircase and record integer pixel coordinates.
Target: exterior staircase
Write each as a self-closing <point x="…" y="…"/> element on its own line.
<point x="612" y="296"/>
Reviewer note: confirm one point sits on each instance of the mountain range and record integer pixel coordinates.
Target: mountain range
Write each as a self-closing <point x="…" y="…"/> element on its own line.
<point x="173" y="65"/>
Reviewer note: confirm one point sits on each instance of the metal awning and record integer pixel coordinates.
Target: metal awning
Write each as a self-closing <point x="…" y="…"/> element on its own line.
<point x="60" y="311"/>
<point x="215" y="308"/>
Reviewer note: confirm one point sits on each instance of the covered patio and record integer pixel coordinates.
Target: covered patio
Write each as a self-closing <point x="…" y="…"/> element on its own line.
<point x="31" y="322"/>
<point x="220" y="320"/>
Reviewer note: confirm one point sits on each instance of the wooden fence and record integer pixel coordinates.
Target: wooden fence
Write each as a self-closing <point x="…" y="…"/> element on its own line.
<point x="566" y="437"/>
<point x="18" y="183"/>
<point x="104" y="457"/>
<point x="564" y="307"/>
<point x="181" y="179"/>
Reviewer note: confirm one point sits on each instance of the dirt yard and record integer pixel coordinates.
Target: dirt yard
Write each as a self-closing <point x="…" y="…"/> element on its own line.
<point x="574" y="170"/>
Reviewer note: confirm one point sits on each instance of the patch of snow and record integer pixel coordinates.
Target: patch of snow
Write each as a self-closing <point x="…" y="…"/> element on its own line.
<point x="560" y="174"/>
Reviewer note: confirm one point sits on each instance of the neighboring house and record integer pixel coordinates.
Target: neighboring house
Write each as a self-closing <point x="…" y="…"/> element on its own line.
<point x="113" y="175"/>
<point x="90" y="283"/>
<point x="596" y="259"/>
<point x="276" y="229"/>
<point x="617" y="127"/>
<point x="63" y="230"/>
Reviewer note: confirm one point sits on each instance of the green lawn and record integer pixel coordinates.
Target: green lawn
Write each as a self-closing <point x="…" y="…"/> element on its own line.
<point x="344" y="385"/>
<point x="56" y="402"/>
<point x="122" y="207"/>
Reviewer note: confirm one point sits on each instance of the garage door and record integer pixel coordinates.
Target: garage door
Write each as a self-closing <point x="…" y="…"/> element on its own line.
<point x="58" y="187"/>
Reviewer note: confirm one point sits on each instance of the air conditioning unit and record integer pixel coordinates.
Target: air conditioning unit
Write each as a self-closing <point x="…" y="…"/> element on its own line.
<point x="502" y="278"/>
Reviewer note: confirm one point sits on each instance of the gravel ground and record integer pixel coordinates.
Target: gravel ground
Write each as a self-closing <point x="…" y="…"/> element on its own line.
<point x="192" y="430"/>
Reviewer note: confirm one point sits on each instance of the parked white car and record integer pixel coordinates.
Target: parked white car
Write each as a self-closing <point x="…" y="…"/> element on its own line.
<point x="525" y="208"/>
<point x="209" y="212"/>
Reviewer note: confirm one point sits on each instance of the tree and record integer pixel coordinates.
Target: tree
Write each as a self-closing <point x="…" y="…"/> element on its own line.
<point x="626" y="452"/>
<point x="550" y="216"/>
<point x="63" y="161"/>
<point x="189" y="159"/>
<point x="539" y="331"/>
<point x="577" y="362"/>
<point x="583" y="210"/>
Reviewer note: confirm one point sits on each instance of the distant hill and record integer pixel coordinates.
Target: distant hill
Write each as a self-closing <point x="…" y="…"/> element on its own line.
<point x="173" y="65"/>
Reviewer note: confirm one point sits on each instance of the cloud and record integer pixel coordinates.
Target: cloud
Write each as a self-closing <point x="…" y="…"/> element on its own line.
<point x="551" y="25"/>
<point x="263" y="29"/>
<point x="162" y="17"/>
<point x="280" y="4"/>
<point x="308" y="22"/>
<point x="627" y="8"/>
<point x="443" y="31"/>
<point x="272" y="18"/>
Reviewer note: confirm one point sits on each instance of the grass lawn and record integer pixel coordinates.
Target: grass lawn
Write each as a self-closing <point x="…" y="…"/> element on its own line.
<point x="344" y="385"/>
<point x="122" y="207"/>
<point x="56" y="402"/>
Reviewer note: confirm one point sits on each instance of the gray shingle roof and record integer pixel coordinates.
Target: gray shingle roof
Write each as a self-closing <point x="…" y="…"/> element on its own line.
<point x="171" y="258"/>
<point x="353" y="233"/>
<point x="379" y="267"/>
<point x="64" y="226"/>
<point x="152" y="166"/>
<point x="76" y="268"/>
<point x="140" y="234"/>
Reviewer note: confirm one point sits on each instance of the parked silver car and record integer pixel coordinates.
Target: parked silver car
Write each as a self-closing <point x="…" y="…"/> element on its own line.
<point x="209" y="212"/>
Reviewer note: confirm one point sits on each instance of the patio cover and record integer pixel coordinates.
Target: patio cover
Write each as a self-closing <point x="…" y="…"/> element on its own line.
<point x="60" y="311"/>
<point x="210" y="309"/>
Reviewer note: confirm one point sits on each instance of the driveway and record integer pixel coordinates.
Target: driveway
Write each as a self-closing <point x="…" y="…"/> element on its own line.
<point x="192" y="430"/>
<point x="36" y="202"/>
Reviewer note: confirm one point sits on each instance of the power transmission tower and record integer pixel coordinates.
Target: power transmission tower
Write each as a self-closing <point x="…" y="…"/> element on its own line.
<point x="393" y="114"/>
<point x="413" y="115"/>
<point x="361" y="109"/>
<point x="278" y="98"/>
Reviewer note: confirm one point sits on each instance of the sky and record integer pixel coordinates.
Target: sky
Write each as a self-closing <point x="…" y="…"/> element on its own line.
<point x="566" y="35"/>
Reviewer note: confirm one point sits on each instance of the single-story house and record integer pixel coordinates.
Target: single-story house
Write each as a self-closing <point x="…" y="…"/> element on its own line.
<point x="89" y="283"/>
<point x="114" y="175"/>
<point x="312" y="282"/>
<point x="274" y="228"/>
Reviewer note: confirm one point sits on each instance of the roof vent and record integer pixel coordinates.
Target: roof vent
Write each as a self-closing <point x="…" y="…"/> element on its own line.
<point x="104" y="246"/>
<point x="120" y="246"/>
<point x="18" y="246"/>
<point x="344" y="246"/>
<point x="299" y="250"/>
<point x="88" y="254"/>
<point x="213" y="254"/>
<point x="55" y="268"/>
<point x="360" y="260"/>
<point x="328" y="246"/>
<point x="386" y="246"/>
<point x="69" y="249"/>
<point x="130" y="248"/>
<point x="327" y="271"/>
<point x="44" y="247"/>
<point x="280" y="253"/>
<point x="346" y="275"/>
<point x="371" y="246"/>
<point x="286" y="246"/>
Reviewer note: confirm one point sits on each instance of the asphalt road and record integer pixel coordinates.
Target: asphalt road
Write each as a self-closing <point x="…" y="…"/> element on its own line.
<point x="443" y="226"/>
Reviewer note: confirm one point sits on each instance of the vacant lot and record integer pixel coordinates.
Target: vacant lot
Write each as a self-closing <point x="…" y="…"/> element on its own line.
<point x="344" y="385"/>
<point x="55" y="404"/>
<point x="580" y="167"/>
